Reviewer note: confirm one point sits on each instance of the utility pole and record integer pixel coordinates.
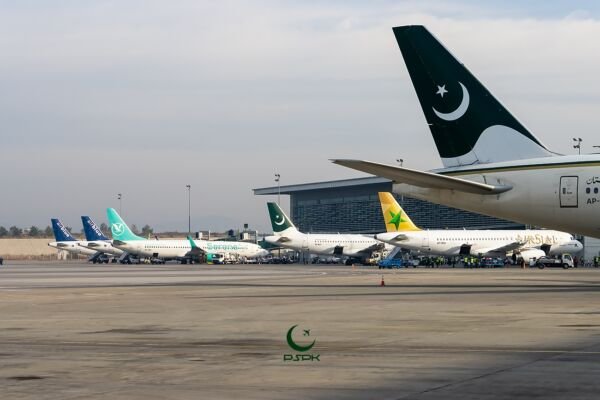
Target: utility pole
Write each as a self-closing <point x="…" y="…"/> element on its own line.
<point x="578" y="145"/>
<point x="120" y="196"/>
<point x="277" y="179"/>
<point x="189" y="189"/>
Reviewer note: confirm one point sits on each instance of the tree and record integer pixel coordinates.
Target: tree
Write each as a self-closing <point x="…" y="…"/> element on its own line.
<point x="134" y="229"/>
<point x="34" y="231"/>
<point x="13" y="231"/>
<point x="104" y="228"/>
<point x="146" y="230"/>
<point x="69" y="229"/>
<point x="48" y="232"/>
<point x="3" y="231"/>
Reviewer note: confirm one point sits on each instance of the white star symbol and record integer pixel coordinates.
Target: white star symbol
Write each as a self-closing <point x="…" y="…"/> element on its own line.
<point x="441" y="90"/>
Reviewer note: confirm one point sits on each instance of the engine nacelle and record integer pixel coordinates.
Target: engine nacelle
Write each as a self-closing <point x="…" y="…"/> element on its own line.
<point x="531" y="253"/>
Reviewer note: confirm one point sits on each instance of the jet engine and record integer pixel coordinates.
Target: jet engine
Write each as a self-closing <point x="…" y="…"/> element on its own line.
<point x="531" y="253"/>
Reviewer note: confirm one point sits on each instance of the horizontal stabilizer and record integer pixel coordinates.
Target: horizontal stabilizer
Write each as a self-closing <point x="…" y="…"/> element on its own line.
<point x="422" y="178"/>
<point x="399" y="237"/>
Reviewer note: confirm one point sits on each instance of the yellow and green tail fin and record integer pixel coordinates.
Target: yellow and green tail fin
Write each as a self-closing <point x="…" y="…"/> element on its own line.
<point x="396" y="220"/>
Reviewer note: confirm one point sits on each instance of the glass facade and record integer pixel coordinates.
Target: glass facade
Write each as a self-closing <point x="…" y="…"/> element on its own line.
<point x="356" y="208"/>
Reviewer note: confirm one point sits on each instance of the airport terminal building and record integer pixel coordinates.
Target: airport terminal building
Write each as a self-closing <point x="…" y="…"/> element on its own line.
<point x="352" y="206"/>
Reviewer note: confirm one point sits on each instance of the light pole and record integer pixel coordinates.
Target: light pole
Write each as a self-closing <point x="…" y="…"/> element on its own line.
<point x="189" y="189"/>
<point x="120" y="196"/>
<point x="277" y="178"/>
<point x="401" y="161"/>
<point x="578" y="145"/>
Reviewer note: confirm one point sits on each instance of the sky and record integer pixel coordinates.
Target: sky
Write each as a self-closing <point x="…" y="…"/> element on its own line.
<point x="145" y="97"/>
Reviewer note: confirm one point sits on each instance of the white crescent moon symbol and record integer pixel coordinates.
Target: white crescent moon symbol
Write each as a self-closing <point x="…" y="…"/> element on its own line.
<point x="460" y="111"/>
<point x="282" y="220"/>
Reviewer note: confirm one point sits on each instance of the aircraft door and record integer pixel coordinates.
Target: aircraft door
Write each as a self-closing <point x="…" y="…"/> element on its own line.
<point x="305" y="244"/>
<point x="425" y="242"/>
<point x="568" y="191"/>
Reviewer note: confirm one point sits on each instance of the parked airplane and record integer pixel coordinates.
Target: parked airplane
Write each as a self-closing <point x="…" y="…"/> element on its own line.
<point x="402" y="232"/>
<point x="285" y="234"/>
<point x="66" y="241"/>
<point x="126" y="240"/>
<point x="96" y="240"/>
<point x="492" y="164"/>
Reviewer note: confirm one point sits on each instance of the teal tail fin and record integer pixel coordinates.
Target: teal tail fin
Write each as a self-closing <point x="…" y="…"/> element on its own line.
<point x="118" y="227"/>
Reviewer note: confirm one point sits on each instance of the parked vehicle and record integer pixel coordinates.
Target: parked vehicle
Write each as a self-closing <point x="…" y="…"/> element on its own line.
<point x="564" y="260"/>
<point x="491" y="262"/>
<point x="392" y="263"/>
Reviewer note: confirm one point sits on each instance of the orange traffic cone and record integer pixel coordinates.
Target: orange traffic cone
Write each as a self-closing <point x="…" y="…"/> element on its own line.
<point x="382" y="281"/>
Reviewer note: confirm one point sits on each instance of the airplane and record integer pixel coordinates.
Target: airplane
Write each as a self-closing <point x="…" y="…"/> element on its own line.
<point x="180" y="250"/>
<point x="402" y="232"/>
<point x="96" y="240"/>
<point x="285" y="234"/>
<point x="66" y="241"/>
<point x="492" y="164"/>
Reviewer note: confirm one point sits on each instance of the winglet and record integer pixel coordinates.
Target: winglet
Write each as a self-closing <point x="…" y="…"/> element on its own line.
<point x="192" y="243"/>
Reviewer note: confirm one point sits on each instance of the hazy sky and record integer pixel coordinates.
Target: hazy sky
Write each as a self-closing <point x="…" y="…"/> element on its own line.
<point x="144" y="97"/>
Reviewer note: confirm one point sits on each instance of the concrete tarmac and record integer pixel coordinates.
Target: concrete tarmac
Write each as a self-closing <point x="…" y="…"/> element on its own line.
<point x="79" y="331"/>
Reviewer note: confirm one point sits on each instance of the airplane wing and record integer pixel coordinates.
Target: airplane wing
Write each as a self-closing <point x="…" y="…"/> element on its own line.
<point x="502" y="249"/>
<point x="374" y="247"/>
<point x="421" y="178"/>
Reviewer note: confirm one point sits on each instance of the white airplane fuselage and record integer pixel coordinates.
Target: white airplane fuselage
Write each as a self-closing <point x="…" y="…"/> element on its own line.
<point x="351" y="245"/>
<point x="176" y="249"/>
<point x="561" y="192"/>
<point x="481" y="242"/>
<point x="73" y="246"/>
<point x="103" y="246"/>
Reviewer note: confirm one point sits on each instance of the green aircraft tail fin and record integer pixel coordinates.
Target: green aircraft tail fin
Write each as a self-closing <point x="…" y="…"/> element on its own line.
<point x="118" y="227"/>
<point x="469" y="126"/>
<point x="279" y="220"/>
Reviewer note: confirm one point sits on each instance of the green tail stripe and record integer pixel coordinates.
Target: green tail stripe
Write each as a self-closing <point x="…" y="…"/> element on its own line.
<point x="118" y="227"/>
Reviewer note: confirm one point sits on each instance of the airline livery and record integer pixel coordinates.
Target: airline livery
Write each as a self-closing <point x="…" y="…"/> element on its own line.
<point x="285" y="234"/>
<point x="492" y="164"/>
<point x="66" y="241"/>
<point x="96" y="240"/>
<point x="181" y="250"/>
<point x="402" y="232"/>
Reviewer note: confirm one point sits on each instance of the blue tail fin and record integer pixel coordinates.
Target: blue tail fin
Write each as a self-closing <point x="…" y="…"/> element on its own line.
<point x="61" y="233"/>
<point x="92" y="231"/>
